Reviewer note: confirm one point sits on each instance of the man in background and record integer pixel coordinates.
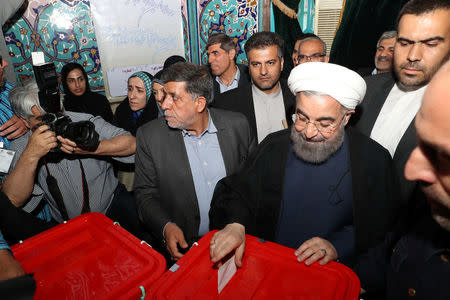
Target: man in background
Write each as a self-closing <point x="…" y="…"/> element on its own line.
<point x="297" y="42"/>
<point x="312" y="49"/>
<point x="393" y="99"/>
<point x="226" y="72"/>
<point x="266" y="102"/>
<point x="383" y="55"/>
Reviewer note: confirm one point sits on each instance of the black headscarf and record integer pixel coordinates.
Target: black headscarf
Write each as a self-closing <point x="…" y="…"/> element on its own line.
<point x="90" y="102"/>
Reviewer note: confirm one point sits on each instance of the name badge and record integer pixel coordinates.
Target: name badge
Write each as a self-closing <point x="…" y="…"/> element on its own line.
<point x="6" y="158"/>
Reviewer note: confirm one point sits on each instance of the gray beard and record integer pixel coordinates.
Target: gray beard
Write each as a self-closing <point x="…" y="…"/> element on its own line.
<point x="314" y="152"/>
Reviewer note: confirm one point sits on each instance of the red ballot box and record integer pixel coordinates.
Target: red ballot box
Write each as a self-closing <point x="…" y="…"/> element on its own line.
<point x="269" y="271"/>
<point x="89" y="257"/>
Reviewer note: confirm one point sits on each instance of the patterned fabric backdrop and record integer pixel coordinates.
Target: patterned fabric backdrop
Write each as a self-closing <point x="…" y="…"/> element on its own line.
<point x="237" y="18"/>
<point x="64" y="32"/>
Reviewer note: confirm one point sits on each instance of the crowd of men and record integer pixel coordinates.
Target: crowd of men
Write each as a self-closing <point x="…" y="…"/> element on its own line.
<point x="334" y="165"/>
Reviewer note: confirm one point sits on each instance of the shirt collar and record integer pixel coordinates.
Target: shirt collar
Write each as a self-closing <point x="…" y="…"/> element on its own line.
<point x="211" y="128"/>
<point x="236" y="78"/>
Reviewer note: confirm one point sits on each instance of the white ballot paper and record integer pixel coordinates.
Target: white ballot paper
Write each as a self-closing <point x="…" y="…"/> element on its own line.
<point x="225" y="273"/>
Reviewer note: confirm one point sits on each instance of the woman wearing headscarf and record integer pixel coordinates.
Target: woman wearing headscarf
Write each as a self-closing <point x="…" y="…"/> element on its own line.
<point x="78" y="95"/>
<point x="139" y="107"/>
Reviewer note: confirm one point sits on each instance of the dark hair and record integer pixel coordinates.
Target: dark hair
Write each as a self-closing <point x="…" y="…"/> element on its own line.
<point x="226" y="43"/>
<point x="172" y="60"/>
<point x="265" y="39"/>
<point x="197" y="78"/>
<point x="158" y="74"/>
<point x="65" y="72"/>
<point x="420" y="7"/>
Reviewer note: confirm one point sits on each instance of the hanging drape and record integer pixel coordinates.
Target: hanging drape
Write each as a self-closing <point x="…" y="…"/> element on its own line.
<point x="363" y="21"/>
<point x="288" y="28"/>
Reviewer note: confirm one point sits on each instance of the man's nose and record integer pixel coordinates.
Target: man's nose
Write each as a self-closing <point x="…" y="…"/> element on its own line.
<point x="311" y="130"/>
<point x="263" y="70"/>
<point x="419" y="168"/>
<point x="166" y="102"/>
<point x="415" y="52"/>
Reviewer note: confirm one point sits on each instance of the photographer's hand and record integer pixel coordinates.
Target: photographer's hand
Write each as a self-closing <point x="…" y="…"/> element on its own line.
<point x="69" y="146"/>
<point x="23" y="174"/>
<point x="40" y="142"/>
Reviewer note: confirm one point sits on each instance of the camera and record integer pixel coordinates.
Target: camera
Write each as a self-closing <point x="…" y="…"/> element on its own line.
<point x="82" y="133"/>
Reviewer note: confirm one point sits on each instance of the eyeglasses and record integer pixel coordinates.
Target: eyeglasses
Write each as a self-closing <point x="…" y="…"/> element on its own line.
<point x="324" y="126"/>
<point x="314" y="57"/>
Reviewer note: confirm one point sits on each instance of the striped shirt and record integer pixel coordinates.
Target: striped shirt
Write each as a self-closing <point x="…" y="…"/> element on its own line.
<point x="5" y="109"/>
<point x="98" y="170"/>
<point x="3" y="244"/>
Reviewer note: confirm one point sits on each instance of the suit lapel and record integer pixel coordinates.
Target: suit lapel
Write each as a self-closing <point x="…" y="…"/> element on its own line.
<point x="407" y="143"/>
<point x="180" y="163"/>
<point x="359" y="190"/>
<point x="374" y="108"/>
<point x="224" y="138"/>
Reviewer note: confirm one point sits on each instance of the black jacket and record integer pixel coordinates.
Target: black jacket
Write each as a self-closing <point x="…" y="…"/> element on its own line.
<point x="241" y="100"/>
<point x="378" y="88"/>
<point x="253" y="197"/>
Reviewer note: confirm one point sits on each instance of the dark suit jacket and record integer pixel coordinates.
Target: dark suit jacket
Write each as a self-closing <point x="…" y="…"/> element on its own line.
<point x="241" y="100"/>
<point x="163" y="183"/>
<point x="253" y="197"/>
<point x="412" y="257"/>
<point x="244" y="79"/>
<point x="378" y="88"/>
<point x="367" y="71"/>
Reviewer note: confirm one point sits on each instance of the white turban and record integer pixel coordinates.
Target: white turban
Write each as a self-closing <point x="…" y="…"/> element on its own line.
<point x="343" y="84"/>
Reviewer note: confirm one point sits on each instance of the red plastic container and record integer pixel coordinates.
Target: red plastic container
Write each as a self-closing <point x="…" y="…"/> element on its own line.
<point x="269" y="271"/>
<point x="89" y="257"/>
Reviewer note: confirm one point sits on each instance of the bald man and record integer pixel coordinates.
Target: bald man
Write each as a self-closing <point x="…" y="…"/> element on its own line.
<point x="318" y="188"/>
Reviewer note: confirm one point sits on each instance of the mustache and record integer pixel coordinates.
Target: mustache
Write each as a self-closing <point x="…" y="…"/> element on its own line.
<point x="412" y="65"/>
<point x="314" y="139"/>
<point x="384" y="58"/>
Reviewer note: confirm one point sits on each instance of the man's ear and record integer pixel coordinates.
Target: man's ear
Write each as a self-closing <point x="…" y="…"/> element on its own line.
<point x="327" y="58"/>
<point x="232" y="54"/>
<point x="348" y="115"/>
<point x="282" y="62"/>
<point x="201" y="103"/>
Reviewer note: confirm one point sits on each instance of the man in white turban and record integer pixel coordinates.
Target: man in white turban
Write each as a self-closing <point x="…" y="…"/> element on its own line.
<point x="326" y="191"/>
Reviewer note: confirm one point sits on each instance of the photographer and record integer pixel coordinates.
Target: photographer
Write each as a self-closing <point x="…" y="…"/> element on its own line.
<point x="73" y="179"/>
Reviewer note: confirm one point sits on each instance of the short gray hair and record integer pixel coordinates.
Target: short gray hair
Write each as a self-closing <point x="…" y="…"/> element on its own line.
<point x="387" y="35"/>
<point x="24" y="97"/>
<point x="198" y="80"/>
<point x="314" y="38"/>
